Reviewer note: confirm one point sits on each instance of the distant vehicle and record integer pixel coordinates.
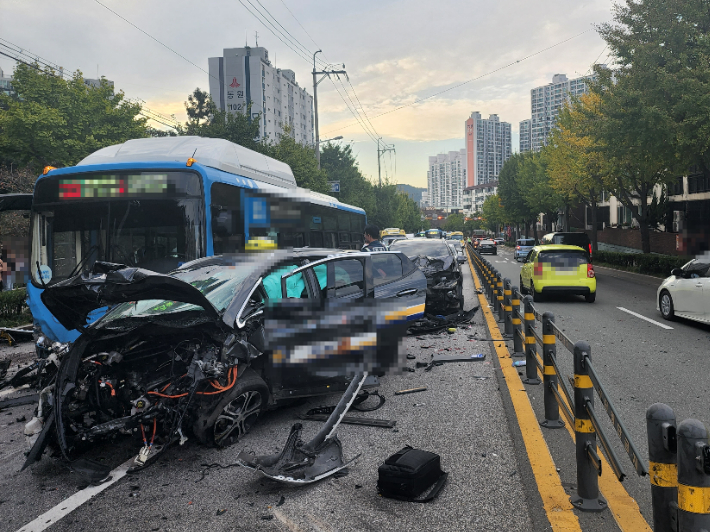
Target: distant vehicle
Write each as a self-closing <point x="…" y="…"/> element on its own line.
<point x="499" y="241"/>
<point x="387" y="240"/>
<point x="455" y="235"/>
<point x="558" y="269"/>
<point x="392" y="231"/>
<point x="438" y="262"/>
<point x="434" y="233"/>
<point x="420" y="234"/>
<point x="568" y="239"/>
<point x="523" y="247"/>
<point x="487" y="246"/>
<point x="477" y="241"/>
<point x="686" y="293"/>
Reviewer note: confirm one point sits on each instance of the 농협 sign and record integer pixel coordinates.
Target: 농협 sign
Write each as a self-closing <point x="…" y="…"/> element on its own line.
<point x="334" y="186"/>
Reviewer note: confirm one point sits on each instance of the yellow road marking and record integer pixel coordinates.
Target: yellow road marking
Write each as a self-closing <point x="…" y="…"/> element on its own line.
<point x="554" y="499"/>
<point x="623" y="507"/>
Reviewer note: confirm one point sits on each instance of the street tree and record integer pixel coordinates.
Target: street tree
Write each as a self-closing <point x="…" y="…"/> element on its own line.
<point x="575" y="162"/>
<point x="454" y="222"/>
<point x="340" y="164"/>
<point x="536" y="189"/>
<point x="493" y="213"/>
<point x="510" y="193"/>
<point x="51" y="121"/>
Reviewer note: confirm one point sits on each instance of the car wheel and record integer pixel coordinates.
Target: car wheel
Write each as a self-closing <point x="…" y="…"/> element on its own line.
<point x="235" y="413"/>
<point x="537" y="297"/>
<point x="666" y="305"/>
<point x="459" y="296"/>
<point x="590" y="298"/>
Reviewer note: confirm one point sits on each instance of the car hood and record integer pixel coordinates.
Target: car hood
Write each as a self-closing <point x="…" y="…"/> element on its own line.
<point x="107" y="284"/>
<point x="433" y="265"/>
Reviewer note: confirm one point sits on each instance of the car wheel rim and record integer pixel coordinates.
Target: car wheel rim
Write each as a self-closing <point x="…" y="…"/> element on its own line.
<point x="666" y="304"/>
<point x="237" y="417"/>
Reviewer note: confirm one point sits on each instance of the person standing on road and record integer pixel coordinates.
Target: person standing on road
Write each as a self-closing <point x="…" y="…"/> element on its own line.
<point x="372" y="239"/>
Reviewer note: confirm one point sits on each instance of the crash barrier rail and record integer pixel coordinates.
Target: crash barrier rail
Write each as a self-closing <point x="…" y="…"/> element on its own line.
<point x="520" y="326"/>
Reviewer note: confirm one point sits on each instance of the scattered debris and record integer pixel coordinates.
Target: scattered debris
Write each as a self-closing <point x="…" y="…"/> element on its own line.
<point x="433" y="324"/>
<point x="411" y="475"/>
<point x="410" y="356"/>
<point x="411" y="390"/>
<point x="282" y="500"/>
<point x="267" y="517"/>
<point x="411" y="370"/>
<point x="519" y="363"/>
<point x="353" y="420"/>
<point x="224" y="511"/>
<point x="19" y="401"/>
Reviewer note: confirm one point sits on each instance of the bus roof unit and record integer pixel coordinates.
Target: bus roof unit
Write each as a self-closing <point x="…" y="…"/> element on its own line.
<point x="215" y="153"/>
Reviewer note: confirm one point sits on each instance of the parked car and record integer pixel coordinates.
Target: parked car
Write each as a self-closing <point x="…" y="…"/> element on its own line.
<point x="556" y="269"/>
<point x="523" y="247"/>
<point x="438" y="262"/>
<point x="569" y="239"/>
<point x="187" y="351"/>
<point x="686" y="293"/>
<point x="487" y="246"/>
<point x="457" y="246"/>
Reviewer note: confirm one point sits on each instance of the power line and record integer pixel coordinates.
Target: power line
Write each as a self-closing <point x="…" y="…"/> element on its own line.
<point x="373" y="133"/>
<point x="354" y="113"/>
<point x="467" y="81"/>
<point x="153" y="38"/>
<point x="361" y="107"/>
<point x="304" y="29"/>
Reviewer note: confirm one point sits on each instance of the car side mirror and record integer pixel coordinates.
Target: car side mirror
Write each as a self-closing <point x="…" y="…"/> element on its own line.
<point x="525" y="259"/>
<point x="677" y="272"/>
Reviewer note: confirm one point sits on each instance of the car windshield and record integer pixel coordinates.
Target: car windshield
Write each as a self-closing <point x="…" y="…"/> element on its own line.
<point x="427" y="248"/>
<point x="561" y="260"/>
<point x="526" y="242"/>
<point x="218" y="283"/>
<point x="696" y="267"/>
<point x="456" y="237"/>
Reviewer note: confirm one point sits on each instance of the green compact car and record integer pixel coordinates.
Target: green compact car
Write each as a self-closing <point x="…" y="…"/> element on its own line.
<point x="558" y="269"/>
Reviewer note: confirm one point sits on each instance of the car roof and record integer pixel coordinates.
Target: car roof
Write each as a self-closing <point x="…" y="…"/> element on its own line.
<point x="559" y="247"/>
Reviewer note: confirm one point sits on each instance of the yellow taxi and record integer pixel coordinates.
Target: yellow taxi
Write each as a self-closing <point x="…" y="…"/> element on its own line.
<point x="260" y="243"/>
<point x="392" y="231"/>
<point x="558" y="269"/>
<point x="454" y="235"/>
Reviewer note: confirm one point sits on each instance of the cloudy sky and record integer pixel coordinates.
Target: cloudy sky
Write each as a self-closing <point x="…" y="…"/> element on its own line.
<point x="396" y="52"/>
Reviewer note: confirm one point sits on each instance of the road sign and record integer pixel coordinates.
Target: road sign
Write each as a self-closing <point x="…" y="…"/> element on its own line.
<point x="334" y="186"/>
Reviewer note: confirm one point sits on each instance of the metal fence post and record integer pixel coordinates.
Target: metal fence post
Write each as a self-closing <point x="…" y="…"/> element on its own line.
<point x="693" y="477"/>
<point x="499" y="296"/>
<point x="530" y="357"/>
<point x="549" y="376"/>
<point x="507" y="309"/>
<point x="589" y="466"/>
<point x="663" y="469"/>
<point x="518" y="346"/>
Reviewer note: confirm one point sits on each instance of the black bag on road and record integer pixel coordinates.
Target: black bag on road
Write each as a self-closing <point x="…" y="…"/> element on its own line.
<point x="411" y="475"/>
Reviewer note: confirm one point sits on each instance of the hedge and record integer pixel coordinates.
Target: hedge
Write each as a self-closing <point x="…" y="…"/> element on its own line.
<point x="12" y="302"/>
<point x="648" y="263"/>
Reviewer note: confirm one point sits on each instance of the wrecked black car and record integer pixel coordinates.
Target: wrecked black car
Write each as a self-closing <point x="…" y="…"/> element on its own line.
<point x="188" y="353"/>
<point x="439" y="264"/>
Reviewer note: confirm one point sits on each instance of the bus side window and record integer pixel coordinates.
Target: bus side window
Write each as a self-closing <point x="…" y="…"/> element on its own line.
<point x="316" y="239"/>
<point x="330" y="240"/>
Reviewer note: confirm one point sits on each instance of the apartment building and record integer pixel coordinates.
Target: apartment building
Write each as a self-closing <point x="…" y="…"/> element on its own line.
<point x="446" y="179"/>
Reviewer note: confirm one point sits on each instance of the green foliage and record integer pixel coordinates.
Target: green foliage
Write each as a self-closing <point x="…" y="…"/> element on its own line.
<point x="454" y="222"/>
<point x="12" y="302"/>
<point x="492" y="212"/>
<point x="340" y="165"/>
<point x="302" y="161"/>
<point x="647" y="263"/>
<point x="52" y="121"/>
<point x="510" y="190"/>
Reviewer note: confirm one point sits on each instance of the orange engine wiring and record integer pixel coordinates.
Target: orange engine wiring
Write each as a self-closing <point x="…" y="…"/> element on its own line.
<point x="231" y="381"/>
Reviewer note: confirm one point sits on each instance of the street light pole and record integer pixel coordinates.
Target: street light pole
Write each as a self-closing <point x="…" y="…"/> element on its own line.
<point x="316" y="81"/>
<point x="315" y="107"/>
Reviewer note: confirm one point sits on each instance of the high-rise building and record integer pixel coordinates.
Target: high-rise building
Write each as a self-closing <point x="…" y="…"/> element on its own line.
<point x="5" y="84"/>
<point x="244" y="80"/>
<point x="446" y="180"/>
<point x="545" y="105"/>
<point x="96" y="83"/>
<point x="525" y="135"/>
<point x="488" y="146"/>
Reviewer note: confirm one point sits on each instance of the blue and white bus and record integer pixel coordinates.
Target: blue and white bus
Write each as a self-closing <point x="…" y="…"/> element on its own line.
<point x="159" y="202"/>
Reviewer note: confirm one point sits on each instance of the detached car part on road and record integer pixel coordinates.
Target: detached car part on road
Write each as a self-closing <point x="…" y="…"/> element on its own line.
<point x="438" y="261"/>
<point x="189" y="351"/>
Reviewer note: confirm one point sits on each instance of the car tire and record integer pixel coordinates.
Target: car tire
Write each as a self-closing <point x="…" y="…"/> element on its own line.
<point x="665" y="303"/>
<point x="459" y="296"/>
<point x="591" y="297"/>
<point x="234" y="413"/>
<point x="537" y="297"/>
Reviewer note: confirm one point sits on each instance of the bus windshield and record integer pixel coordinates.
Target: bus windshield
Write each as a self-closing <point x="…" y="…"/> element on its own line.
<point x="142" y="219"/>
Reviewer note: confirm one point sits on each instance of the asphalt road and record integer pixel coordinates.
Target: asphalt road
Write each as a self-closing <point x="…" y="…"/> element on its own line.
<point x="639" y="363"/>
<point x="461" y="416"/>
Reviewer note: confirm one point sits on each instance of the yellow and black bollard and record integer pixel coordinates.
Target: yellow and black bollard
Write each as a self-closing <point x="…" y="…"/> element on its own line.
<point x="663" y="469"/>
<point x="507" y="309"/>
<point x="589" y="465"/>
<point x="518" y="346"/>
<point x="530" y="350"/>
<point x="693" y="477"/>
<point x="549" y="376"/>
<point x="499" y="297"/>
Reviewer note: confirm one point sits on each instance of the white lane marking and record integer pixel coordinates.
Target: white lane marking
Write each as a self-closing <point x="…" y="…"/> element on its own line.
<point x="70" y="504"/>
<point x="13" y="390"/>
<point x="662" y="325"/>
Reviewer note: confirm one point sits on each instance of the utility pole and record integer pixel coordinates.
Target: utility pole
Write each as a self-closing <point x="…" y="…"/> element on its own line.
<point x="380" y="152"/>
<point x="316" y="81"/>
